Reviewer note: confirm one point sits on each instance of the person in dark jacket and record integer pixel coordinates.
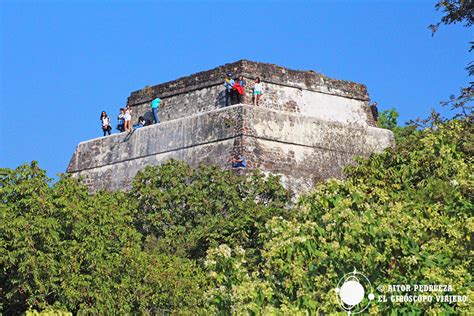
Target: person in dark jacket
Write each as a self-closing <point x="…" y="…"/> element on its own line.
<point x="141" y="123"/>
<point x="375" y="111"/>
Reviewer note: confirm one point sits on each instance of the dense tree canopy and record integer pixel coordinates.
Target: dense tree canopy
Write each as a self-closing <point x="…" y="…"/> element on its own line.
<point x="402" y="217"/>
<point x="184" y="211"/>
<point x="63" y="248"/>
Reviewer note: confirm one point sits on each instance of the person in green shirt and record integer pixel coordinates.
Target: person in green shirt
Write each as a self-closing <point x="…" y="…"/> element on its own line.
<point x="155" y="106"/>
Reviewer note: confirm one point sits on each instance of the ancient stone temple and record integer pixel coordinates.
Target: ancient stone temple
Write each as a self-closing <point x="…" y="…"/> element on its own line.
<point x="307" y="128"/>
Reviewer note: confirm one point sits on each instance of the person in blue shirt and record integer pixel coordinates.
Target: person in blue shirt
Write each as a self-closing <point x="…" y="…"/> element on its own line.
<point x="229" y="89"/>
<point x="155" y="106"/>
<point x="239" y="162"/>
<point x="121" y="120"/>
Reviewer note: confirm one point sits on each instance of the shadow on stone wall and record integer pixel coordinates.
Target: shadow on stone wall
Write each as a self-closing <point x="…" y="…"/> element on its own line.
<point x="148" y="116"/>
<point x="220" y="99"/>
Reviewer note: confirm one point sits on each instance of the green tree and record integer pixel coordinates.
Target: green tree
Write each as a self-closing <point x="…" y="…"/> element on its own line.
<point x="63" y="249"/>
<point x="184" y="211"/>
<point x="459" y="11"/>
<point x="401" y="217"/>
<point x="389" y="119"/>
<point x="456" y="11"/>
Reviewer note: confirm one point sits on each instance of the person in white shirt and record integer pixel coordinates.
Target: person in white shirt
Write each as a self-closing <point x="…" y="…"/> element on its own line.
<point x="105" y="119"/>
<point x="257" y="91"/>
<point x="128" y="119"/>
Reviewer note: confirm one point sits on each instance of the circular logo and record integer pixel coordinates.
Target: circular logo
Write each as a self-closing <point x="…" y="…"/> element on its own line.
<point x="351" y="291"/>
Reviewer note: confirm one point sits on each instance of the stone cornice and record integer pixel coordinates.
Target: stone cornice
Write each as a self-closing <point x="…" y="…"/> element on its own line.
<point x="269" y="73"/>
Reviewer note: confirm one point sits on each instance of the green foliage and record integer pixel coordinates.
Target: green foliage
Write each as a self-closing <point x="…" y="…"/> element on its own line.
<point x="62" y="248"/>
<point x="206" y="241"/>
<point x="388" y="119"/>
<point x="458" y="11"/>
<point x="47" y="312"/>
<point x="401" y="217"/>
<point x="184" y="211"/>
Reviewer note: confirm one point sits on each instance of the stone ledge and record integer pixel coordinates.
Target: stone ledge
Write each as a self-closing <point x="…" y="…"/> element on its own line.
<point x="238" y="121"/>
<point x="154" y="139"/>
<point x="270" y="73"/>
<point x="297" y="129"/>
<point x="119" y="175"/>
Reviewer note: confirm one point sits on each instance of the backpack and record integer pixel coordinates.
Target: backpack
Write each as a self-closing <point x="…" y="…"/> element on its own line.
<point x="239" y="88"/>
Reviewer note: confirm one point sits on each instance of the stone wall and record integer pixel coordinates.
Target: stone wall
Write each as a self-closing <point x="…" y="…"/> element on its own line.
<point x="111" y="162"/>
<point x="305" y="92"/>
<point x="271" y="73"/>
<point x="302" y="149"/>
<point x="282" y="98"/>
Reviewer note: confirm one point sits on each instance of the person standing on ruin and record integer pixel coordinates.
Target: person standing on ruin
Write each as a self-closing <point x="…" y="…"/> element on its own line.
<point x="128" y="119"/>
<point x="242" y="84"/>
<point x="375" y="112"/>
<point x="155" y="106"/>
<point x="105" y="119"/>
<point x="229" y="89"/>
<point x="120" y="120"/>
<point x="257" y="91"/>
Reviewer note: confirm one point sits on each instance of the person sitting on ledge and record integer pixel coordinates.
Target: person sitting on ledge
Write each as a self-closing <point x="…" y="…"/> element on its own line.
<point x="229" y="89"/>
<point x="141" y="123"/>
<point x="239" y="162"/>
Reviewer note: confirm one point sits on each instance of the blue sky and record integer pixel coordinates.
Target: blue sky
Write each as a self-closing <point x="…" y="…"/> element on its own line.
<point x="63" y="62"/>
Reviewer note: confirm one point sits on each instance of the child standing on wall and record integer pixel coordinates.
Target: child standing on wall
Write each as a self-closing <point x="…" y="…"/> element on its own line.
<point x="257" y="91"/>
